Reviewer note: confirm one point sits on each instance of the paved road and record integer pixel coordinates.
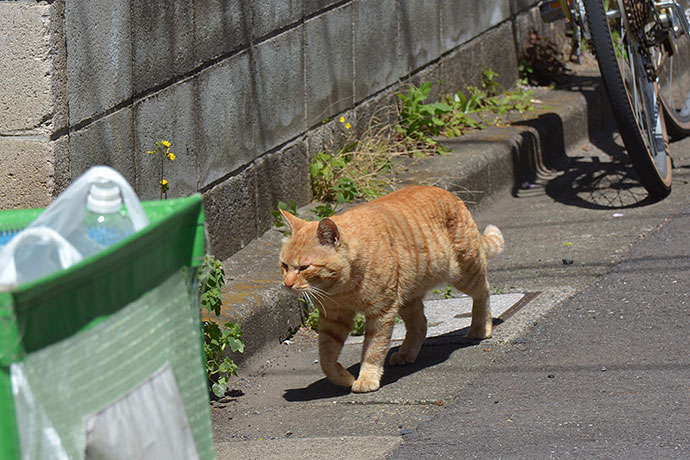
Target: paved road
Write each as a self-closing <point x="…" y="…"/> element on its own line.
<point x="603" y="373"/>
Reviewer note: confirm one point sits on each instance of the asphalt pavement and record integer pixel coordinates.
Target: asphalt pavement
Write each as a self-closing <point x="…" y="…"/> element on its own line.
<point x="606" y="374"/>
<point x="588" y="361"/>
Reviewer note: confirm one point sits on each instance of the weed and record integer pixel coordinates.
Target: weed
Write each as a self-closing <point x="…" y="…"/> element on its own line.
<point x="418" y="122"/>
<point x="497" y="290"/>
<point x="446" y="291"/>
<point x="351" y="172"/>
<point x="290" y="207"/>
<point x="541" y="63"/>
<point x="325" y="210"/>
<point x="216" y="339"/>
<point x="162" y="149"/>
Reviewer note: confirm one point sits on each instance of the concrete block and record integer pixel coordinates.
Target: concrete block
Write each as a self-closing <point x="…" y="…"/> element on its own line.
<point x="331" y="135"/>
<point x="498" y="53"/>
<point x="163" y="41"/>
<point x="278" y="79"/>
<point x="220" y="26"/>
<point x="99" y="56"/>
<point x="25" y="67"/>
<point x="420" y="33"/>
<point x="312" y="7"/>
<point x="170" y="115"/>
<point x="380" y="109"/>
<point x="271" y="15"/>
<point x="462" y="20"/>
<point x="62" y="166"/>
<point x="230" y="210"/>
<point x="462" y="67"/>
<point x="281" y="176"/>
<point x="376" y="51"/>
<point x="432" y="73"/>
<point x="109" y="141"/>
<point x="26" y="173"/>
<point x="58" y="72"/>
<point x="329" y="70"/>
<point x="226" y="119"/>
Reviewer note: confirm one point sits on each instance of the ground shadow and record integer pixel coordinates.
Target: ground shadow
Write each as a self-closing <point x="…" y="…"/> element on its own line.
<point x="436" y="350"/>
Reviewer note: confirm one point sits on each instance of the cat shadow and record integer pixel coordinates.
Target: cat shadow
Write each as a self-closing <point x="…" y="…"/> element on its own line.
<point x="435" y="350"/>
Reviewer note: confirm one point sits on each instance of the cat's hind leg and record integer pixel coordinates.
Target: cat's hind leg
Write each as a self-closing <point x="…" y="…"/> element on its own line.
<point x="475" y="284"/>
<point x="377" y="337"/>
<point x="412" y="314"/>
<point x="334" y="329"/>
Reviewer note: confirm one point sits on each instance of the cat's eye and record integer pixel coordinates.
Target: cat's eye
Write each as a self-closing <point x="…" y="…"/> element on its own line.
<point x="303" y="267"/>
<point x="284" y="266"/>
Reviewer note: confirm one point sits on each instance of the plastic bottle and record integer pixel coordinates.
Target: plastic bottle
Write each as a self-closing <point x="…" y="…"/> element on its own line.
<point x="105" y="220"/>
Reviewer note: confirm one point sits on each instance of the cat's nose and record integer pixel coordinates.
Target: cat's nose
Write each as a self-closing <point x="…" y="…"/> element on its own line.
<point x="290" y="280"/>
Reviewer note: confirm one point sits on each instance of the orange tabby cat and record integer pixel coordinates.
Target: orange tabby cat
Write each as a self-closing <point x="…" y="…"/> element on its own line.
<point x="380" y="258"/>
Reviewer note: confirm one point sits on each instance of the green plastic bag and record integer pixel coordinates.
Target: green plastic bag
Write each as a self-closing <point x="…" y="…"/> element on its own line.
<point x="117" y="333"/>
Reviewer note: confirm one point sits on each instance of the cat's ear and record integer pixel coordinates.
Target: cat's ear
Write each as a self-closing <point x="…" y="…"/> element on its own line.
<point x="294" y="222"/>
<point x="328" y="233"/>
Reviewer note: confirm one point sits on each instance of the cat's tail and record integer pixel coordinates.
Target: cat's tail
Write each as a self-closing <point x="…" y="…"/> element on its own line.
<point x="492" y="241"/>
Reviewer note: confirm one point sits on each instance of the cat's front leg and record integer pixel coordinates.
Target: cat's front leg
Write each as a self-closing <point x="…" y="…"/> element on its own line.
<point x="334" y="328"/>
<point x="377" y="336"/>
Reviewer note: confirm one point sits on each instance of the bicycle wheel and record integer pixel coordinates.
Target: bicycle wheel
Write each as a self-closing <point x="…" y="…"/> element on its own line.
<point x="633" y="97"/>
<point x="674" y="78"/>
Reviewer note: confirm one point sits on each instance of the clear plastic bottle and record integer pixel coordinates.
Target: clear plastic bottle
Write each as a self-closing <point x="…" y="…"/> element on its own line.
<point x="105" y="219"/>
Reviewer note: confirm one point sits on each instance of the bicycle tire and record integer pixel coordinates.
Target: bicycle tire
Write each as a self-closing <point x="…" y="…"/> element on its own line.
<point x="674" y="83"/>
<point x="642" y="129"/>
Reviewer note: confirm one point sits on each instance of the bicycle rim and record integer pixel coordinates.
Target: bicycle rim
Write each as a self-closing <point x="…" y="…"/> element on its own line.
<point x="634" y="99"/>
<point x="674" y="80"/>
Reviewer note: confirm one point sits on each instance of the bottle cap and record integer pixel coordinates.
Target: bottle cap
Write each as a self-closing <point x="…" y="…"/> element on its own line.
<point x="104" y="198"/>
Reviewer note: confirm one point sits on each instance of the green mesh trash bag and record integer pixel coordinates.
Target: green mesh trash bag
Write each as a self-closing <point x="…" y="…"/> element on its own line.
<point x="104" y="359"/>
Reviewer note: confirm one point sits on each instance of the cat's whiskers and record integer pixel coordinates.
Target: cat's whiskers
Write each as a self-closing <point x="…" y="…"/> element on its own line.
<point x="312" y="298"/>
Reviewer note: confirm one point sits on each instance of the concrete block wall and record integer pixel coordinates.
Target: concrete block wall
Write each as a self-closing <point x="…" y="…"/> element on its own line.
<point x="243" y="90"/>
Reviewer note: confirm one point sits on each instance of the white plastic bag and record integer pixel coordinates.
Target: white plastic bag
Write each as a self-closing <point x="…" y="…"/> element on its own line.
<point x="35" y="253"/>
<point x="59" y="232"/>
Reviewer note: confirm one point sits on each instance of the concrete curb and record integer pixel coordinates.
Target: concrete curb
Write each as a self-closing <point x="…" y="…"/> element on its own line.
<point x="482" y="165"/>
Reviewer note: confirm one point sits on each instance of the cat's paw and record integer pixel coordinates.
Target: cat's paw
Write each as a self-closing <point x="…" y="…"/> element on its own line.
<point x="400" y="359"/>
<point x="365" y="385"/>
<point x="479" y="333"/>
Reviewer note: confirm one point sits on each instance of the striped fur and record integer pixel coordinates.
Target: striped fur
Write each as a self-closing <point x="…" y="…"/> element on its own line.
<point x="380" y="258"/>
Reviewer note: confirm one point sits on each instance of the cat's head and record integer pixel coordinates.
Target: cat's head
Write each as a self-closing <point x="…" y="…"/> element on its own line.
<point x="313" y="259"/>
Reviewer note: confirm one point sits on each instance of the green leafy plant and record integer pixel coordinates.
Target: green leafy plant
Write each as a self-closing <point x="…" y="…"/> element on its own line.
<point x="290" y="207"/>
<point x="419" y="122"/>
<point x="358" y="325"/>
<point x="459" y="113"/>
<point x="446" y="291"/>
<point x="216" y="339"/>
<point x="324" y="210"/>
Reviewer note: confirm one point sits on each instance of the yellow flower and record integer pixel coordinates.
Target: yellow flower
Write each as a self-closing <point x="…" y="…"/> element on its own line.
<point x="171" y="156"/>
<point x="166" y="143"/>
<point x="348" y="126"/>
<point x="164" y="182"/>
<point x="342" y="119"/>
<point x="151" y="151"/>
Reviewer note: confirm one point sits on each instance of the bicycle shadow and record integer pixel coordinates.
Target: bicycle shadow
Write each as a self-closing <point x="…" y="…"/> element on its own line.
<point x="435" y="350"/>
<point x="588" y="180"/>
<point x="593" y="182"/>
